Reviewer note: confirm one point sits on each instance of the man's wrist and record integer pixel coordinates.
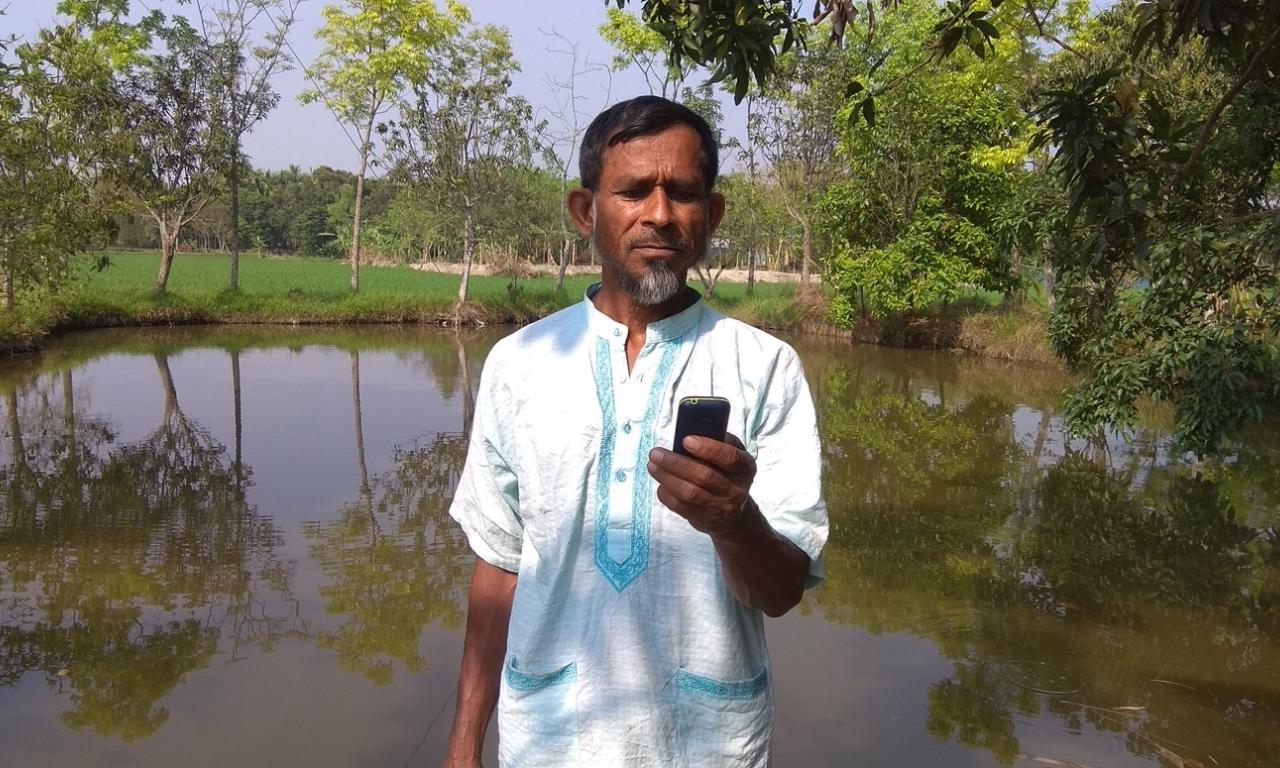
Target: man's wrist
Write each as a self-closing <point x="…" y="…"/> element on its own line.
<point x="749" y="524"/>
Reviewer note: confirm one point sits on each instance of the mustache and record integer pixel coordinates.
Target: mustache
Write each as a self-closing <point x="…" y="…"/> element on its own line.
<point x="658" y="242"/>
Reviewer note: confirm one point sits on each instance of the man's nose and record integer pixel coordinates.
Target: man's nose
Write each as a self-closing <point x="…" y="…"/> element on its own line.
<point x="658" y="213"/>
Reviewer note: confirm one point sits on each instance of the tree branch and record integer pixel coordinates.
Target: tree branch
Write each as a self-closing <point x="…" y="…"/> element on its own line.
<point x="1048" y="36"/>
<point x="1272" y="213"/>
<point x="1211" y="123"/>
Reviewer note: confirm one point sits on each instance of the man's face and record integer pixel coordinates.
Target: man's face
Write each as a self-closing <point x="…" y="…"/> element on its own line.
<point x="651" y="217"/>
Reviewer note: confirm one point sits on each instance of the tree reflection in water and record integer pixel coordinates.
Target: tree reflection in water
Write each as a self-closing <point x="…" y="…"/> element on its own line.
<point x="393" y="560"/>
<point x="1116" y="588"/>
<point x="124" y="567"/>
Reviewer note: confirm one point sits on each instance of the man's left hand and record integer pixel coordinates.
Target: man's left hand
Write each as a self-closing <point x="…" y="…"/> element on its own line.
<point x="710" y="486"/>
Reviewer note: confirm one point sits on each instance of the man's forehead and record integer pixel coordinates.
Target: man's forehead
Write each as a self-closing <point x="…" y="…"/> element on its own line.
<point x="673" y="150"/>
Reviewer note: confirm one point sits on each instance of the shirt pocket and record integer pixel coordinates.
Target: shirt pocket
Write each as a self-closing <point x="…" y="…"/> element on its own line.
<point x="538" y="716"/>
<point x="724" y="724"/>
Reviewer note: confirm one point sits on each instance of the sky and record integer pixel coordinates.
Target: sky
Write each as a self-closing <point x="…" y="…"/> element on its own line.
<point x="309" y="136"/>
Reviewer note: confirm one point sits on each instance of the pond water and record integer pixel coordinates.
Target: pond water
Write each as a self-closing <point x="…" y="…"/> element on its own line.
<point x="231" y="547"/>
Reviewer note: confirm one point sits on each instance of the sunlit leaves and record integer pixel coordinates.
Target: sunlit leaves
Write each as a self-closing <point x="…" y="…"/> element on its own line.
<point x="739" y="40"/>
<point x="374" y="49"/>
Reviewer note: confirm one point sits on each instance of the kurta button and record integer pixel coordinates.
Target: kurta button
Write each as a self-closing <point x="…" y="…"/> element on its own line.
<point x="626" y="428"/>
<point x="621" y="476"/>
<point x="617" y="331"/>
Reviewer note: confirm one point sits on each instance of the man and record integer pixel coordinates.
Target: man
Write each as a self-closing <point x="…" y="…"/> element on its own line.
<point x="615" y="609"/>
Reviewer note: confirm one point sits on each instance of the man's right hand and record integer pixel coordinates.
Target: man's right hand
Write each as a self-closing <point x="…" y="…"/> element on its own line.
<point x="483" y="652"/>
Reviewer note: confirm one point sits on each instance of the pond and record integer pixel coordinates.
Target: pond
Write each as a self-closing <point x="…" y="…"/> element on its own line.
<point x="232" y="547"/>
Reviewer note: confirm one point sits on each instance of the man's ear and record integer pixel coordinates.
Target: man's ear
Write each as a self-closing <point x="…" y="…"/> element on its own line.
<point x="715" y="211"/>
<point x="580" y="210"/>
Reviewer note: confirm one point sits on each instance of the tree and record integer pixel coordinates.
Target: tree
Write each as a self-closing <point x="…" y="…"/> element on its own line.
<point x="176" y="142"/>
<point x="637" y="45"/>
<point x="794" y="125"/>
<point x="562" y="142"/>
<point x="1174" y="293"/>
<point x="748" y="198"/>
<point x="374" y="50"/>
<point x="742" y="40"/>
<point x="465" y="133"/>
<point x="917" y="218"/>
<point x="245" y="63"/>
<point x="52" y="202"/>
<point x="1164" y="137"/>
<point x="739" y="39"/>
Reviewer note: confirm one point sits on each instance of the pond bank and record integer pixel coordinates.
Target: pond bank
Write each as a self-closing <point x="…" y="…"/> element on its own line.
<point x="314" y="291"/>
<point x="1011" y="334"/>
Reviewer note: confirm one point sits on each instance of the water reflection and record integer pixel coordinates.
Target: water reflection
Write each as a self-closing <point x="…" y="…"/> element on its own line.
<point x="193" y="520"/>
<point x="392" y="562"/>
<point x="126" y="566"/>
<point x="1092" y="581"/>
<point x="123" y="564"/>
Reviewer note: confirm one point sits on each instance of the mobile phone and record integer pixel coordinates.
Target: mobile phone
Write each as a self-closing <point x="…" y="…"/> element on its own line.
<point x="702" y="416"/>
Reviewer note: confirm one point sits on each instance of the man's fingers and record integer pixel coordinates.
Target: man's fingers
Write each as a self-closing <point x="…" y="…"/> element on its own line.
<point x="695" y="471"/>
<point x="728" y="455"/>
<point x="688" y="490"/>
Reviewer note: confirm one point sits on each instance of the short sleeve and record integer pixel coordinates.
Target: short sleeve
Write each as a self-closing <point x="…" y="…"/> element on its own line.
<point x="788" y="484"/>
<point x="487" y="501"/>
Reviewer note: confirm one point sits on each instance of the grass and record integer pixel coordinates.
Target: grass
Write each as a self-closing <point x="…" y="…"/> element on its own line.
<point x="310" y="279"/>
<point x="310" y="291"/>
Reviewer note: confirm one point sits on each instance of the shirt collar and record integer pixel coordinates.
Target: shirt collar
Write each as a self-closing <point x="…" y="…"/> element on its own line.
<point x="666" y="329"/>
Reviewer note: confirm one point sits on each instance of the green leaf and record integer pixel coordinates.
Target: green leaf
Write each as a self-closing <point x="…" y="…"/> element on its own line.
<point x="869" y="111"/>
<point x="987" y="28"/>
<point x="977" y="43"/>
<point x="740" y="87"/>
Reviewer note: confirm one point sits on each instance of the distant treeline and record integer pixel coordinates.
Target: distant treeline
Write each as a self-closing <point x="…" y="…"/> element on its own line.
<point x="308" y="213"/>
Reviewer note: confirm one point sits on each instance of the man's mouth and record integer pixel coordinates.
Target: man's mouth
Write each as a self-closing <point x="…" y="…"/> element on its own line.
<point x="657" y="250"/>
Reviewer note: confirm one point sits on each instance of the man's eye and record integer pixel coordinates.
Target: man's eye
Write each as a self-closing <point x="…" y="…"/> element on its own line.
<point x="633" y="194"/>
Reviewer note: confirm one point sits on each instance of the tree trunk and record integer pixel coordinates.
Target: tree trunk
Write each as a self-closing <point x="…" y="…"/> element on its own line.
<point x="10" y="266"/>
<point x="806" y="256"/>
<point x="355" y="219"/>
<point x="355" y="226"/>
<point x="236" y="416"/>
<point x="168" y="246"/>
<point x="468" y="252"/>
<point x="16" y="450"/>
<point x="1048" y="284"/>
<point x="564" y="263"/>
<point x="68" y="407"/>
<point x="1019" y="288"/>
<point x="23" y="512"/>
<point x="468" y="397"/>
<point x="359" y="423"/>
<point x="171" y="406"/>
<point x="234" y="180"/>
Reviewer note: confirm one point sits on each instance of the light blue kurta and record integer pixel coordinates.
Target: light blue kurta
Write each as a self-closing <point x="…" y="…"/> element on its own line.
<point x="626" y="647"/>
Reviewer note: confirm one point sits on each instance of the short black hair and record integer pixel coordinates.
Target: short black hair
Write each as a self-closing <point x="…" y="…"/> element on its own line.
<point x="643" y="116"/>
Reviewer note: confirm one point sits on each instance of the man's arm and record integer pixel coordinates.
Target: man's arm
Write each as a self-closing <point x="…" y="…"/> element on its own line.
<point x="483" y="652"/>
<point x="711" y="490"/>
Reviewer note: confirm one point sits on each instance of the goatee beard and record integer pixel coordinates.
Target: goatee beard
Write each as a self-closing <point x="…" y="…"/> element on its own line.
<point x="657" y="284"/>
